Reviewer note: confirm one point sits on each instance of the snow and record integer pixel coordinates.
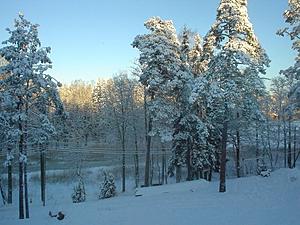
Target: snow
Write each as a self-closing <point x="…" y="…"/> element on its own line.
<point x="255" y="200"/>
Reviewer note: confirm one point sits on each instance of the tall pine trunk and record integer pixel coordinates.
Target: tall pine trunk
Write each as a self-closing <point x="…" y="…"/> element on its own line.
<point x="148" y="128"/>
<point x="43" y="175"/>
<point x="123" y="158"/>
<point x="25" y="167"/>
<point x="4" y="200"/>
<point x="222" y="187"/>
<point x="238" y="147"/>
<point x="188" y="161"/>
<point x="163" y="165"/>
<point x="284" y="141"/>
<point x="178" y="173"/>
<point x="26" y="191"/>
<point x="136" y="160"/>
<point x="9" y="180"/>
<point x="289" y="158"/>
<point x="256" y="146"/>
<point x="21" y="174"/>
<point x="295" y="143"/>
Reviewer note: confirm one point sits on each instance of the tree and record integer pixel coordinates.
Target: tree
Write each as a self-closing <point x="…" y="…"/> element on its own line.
<point x="115" y="99"/>
<point x="79" y="194"/>
<point x="158" y="50"/>
<point x="77" y="98"/>
<point x="195" y="55"/>
<point x="292" y="17"/>
<point x="232" y="60"/>
<point x="164" y="78"/>
<point x="28" y="91"/>
<point x="108" y="187"/>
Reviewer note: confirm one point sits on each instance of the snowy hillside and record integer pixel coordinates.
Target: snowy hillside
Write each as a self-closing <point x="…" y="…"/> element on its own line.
<point x="273" y="200"/>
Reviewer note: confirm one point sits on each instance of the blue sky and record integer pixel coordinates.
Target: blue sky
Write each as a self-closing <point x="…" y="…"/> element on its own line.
<point x="91" y="39"/>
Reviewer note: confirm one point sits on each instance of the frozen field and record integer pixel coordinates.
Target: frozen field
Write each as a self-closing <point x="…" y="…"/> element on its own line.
<point x="253" y="200"/>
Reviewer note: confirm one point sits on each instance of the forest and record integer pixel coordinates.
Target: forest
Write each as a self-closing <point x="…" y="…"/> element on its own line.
<point x="189" y="108"/>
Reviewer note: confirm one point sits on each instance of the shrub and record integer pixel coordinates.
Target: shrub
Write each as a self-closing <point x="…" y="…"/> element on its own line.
<point x="108" y="187"/>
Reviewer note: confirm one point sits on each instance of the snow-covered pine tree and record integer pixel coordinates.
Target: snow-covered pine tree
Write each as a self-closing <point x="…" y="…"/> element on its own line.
<point x="195" y="55"/>
<point x="79" y="194"/>
<point x="108" y="187"/>
<point x="9" y="137"/>
<point x="27" y="89"/>
<point x="159" y="55"/>
<point x="232" y="60"/>
<point x="160" y="61"/>
<point x="9" y="134"/>
<point x="185" y="45"/>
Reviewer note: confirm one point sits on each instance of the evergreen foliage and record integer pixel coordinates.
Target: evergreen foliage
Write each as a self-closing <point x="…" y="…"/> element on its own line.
<point x="79" y="194"/>
<point x="108" y="187"/>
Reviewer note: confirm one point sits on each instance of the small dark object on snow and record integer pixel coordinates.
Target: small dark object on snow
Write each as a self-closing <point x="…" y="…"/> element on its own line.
<point x="59" y="215"/>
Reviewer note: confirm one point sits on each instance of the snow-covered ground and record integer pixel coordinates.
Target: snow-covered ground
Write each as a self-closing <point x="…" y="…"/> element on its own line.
<point x="273" y="200"/>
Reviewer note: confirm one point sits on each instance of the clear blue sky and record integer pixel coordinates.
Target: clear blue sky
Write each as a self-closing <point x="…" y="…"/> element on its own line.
<point x="91" y="38"/>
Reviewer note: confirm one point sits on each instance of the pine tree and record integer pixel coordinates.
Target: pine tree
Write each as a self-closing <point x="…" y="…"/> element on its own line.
<point x="27" y="90"/>
<point x="159" y="60"/>
<point x="108" y="187"/>
<point x="232" y="60"/>
<point x="79" y="194"/>
<point x="195" y="56"/>
<point x="185" y="45"/>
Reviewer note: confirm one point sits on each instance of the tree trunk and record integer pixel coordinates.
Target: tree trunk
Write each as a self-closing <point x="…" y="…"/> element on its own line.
<point x="222" y="187"/>
<point x="152" y="169"/>
<point x="43" y="175"/>
<point x="25" y="167"/>
<point x="123" y="159"/>
<point x="188" y="162"/>
<point x="256" y="147"/>
<point x="9" y="183"/>
<point x="178" y="173"/>
<point x="269" y="144"/>
<point x="86" y="139"/>
<point x="163" y="167"/>
<point x="295" y="144"/>
<point x="289" y="158"/>
<point x="4" y="200"/>
<point x="238" y="146"/>
<point x="21" y="175"/>
<point x="210" y="174"/>
<point x="158" y="169"/>
<point x="148" y="128"/>
<point x="137" y="173"/>
<point x="26" y="191"/>
<point x="284" y="141"/>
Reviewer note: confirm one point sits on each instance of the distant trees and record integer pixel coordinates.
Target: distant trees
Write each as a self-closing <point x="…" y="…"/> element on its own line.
<point x="77" y="98"/>
<point x="118" y="101"/>
<point x="292" y="17"/>
<point x="28" y="95"/>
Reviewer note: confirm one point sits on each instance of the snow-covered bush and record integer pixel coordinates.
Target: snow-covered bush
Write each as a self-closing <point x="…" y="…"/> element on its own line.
<point x="262" y="169"/>
<point x="108" y="187"/>
<point x="79" y="194"/>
